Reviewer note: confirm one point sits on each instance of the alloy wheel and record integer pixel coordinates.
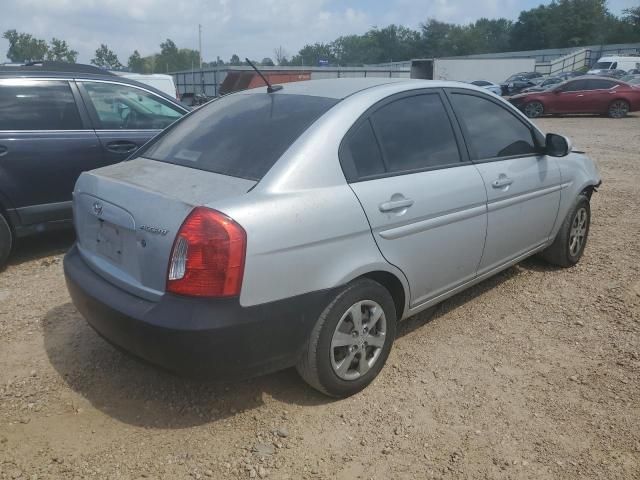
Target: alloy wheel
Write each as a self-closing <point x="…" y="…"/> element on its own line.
<point x="578" y="232"/>
<point x="358" y="340"/>
<point x="618" y="109"/>
<point x="533" y="109"/>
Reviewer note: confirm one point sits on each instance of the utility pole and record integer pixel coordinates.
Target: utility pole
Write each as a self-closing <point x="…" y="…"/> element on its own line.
<point x="200" y="44"/>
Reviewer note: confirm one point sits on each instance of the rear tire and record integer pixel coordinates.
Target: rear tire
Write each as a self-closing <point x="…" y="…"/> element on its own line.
<point x="346" y="349"/>
<point x="568" y="246"/>
<point x="618" y="109"/>
<point x="6" y="241"/>
<point x="534" y="109"/>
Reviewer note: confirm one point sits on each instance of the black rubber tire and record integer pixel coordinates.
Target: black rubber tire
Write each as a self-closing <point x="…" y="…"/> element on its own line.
<point x="6" y="241"/>
<point x="558" y="253"/>
<point x="315" y="364"/>
<point x="610" y="113"/>
<point x="537" y="114"/>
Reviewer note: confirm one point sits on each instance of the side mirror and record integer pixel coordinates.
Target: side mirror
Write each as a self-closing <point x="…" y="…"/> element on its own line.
<point x="557" y="145"/>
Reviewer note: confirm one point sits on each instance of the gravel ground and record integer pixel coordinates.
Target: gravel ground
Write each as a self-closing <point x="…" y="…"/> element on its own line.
<point x="534" y="373"/>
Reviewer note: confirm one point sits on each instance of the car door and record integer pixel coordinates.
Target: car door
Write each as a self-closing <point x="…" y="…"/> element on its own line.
<point x="125" y="116"/>
<point x="46" y="141"/>
<point x="569" y="98"/>
<point x="598" y="95"/>
<point x="424" y="199"/>
<point x="523" y="185"/>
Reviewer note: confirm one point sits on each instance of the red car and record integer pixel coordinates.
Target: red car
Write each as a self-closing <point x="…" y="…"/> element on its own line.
<point x="581" y="95"/>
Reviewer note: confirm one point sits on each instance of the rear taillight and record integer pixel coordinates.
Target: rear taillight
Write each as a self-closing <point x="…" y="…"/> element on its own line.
<point x="207" y="259"/>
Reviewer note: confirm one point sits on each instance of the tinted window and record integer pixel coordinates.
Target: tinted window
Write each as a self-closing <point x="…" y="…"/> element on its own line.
<point x="598" y="84"/>
<point x="240" y="135"/>
<point x="123" y="107"/>
<point x="364" y="151"/>
<point x="415" y="133"/>
<point x="575" y="86"/>
<point x="480" y="83"/>
<point x="492" y="131"/>
<point x="38" y="105"/>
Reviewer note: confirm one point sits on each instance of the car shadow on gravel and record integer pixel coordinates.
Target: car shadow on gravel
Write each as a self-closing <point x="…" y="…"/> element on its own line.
<point x="36" y="247"/>
<point x="140" y="394"/>
<point x="137" y="393"/>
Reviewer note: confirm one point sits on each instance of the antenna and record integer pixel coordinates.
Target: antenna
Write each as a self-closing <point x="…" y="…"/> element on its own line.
<point x="270" y="88"/>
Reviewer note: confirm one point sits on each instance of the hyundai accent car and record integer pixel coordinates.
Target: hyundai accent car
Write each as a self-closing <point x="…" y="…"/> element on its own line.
<point x="297" y="227"/>
<point x="588" y="94"/>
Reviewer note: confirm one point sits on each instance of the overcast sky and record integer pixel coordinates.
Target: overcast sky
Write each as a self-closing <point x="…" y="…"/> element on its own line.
<point x="250" y="28"/>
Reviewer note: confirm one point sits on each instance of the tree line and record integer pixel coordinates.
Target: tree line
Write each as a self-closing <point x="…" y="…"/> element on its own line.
<point x="559" y="24"/>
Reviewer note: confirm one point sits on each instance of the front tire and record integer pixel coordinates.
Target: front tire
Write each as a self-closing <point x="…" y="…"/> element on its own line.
<point x="6" y="240"/>
<point x="618" y="109"/>
<point x="534" y="109"/>
<point x="568" y="247"/>
<point x="351" y="340"/>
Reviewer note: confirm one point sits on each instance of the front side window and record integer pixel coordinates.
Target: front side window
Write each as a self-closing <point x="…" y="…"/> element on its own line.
<point x="415" y="133"/>
<point x="574" y="86"/>
<point x="241" y="135"/>
<point x="491" y="130"/>
<point x="38" y="105"/>
<point x="129" y="108"/>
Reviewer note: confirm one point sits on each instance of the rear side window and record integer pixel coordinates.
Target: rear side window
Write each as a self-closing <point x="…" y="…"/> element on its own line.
<point x="38" y="105"/>
<point x="598" y="84"/>
<point x="364" y="151"/>
<point x="239" y="135"/>
<point x="415" y="133"/>
<point x="491" y="130"/>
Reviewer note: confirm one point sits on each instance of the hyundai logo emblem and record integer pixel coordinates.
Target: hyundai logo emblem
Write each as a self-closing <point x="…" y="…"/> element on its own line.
<point x="97" y="208"/>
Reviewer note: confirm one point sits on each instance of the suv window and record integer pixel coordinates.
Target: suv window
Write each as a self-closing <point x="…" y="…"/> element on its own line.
<point x="38" y="105"/>
<point x="491" y="130"/>
<point x="124" y="107"/>
<point x="241" y="135"/>
<point x="597" y="84"/>
<point x="415" y="133"/>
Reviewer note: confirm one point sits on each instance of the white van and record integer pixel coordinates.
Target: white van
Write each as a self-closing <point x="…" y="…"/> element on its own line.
<point x="625" y="63"/>
<point x="162" y="82"/>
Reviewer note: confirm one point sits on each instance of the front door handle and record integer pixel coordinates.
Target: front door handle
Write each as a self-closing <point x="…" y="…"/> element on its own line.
<point x="502" y="181"/>
<point x="3" y="150"/>
<point x="392" y="205"/>
<point x="121" y="146"/>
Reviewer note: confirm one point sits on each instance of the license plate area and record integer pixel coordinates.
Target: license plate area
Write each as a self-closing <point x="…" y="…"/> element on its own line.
<point x="109" y="241"/>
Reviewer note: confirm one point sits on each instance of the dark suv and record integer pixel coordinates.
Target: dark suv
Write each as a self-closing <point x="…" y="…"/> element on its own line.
<point x="58" y="120"/>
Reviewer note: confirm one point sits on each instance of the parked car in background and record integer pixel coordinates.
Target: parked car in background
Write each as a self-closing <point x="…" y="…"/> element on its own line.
<point x="518" y="82"/>
<point x="588" y="94"/>
<point x="492" y="87"/>
<point x="267" y="230"/>
<point x="631" y="79"/>
<point x="58" y="120"/>
<point x="545" y="84"/>
<point x="159" y="81"/>
<point x="611" y="73"/>
<point x="615" y="62"/>
<point x="568" y="75"/>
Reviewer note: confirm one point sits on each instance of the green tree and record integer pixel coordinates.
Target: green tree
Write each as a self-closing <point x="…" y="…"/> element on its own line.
<point x="106" y="58"/>
<point x="267" y="62"/>
<point x="136" y="63"/>
<point x="60" y="51"/>
<point x="23" y="47"/>
<point x="235" y="60"/>
<point x="171" y="58"/>
<point x="311" y="54"/>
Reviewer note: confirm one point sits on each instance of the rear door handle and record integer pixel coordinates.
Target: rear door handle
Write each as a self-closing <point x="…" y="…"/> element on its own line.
<point x="392" y="205"/>
<point x="120" y="146"/>
<point x="3" y="150"/>
<point x="503" y="181"/>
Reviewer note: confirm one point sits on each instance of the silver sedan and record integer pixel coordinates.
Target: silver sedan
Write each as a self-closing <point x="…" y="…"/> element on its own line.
<point x="297" y="226"/>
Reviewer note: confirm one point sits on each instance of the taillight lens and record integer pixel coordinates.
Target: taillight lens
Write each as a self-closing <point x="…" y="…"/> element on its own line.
<point x="207" y="259"/>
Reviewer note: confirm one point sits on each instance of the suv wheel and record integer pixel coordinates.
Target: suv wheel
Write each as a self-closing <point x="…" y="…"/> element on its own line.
<point x="571" y="240"/>
<point x="351" y="340"/>
<point x="6" y="240"/>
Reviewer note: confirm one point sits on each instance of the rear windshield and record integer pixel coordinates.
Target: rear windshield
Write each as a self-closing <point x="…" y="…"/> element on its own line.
<point x="239" y="135"/>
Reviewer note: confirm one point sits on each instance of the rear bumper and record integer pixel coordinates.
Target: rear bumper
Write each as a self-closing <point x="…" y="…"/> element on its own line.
<point x="192" y="336"/>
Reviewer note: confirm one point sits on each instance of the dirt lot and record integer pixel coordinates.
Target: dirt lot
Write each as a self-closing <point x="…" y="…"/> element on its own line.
<point x="532" y="374"/>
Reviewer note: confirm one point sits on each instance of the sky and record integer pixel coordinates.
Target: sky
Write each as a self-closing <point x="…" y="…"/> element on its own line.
<point x="252" y="28"/>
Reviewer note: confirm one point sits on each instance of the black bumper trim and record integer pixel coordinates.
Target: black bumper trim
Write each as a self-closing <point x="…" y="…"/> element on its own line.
<point x="193" y="336"/>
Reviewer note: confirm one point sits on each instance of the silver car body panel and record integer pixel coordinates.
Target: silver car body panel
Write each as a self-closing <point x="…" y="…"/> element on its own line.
<point x="308" y="229"/>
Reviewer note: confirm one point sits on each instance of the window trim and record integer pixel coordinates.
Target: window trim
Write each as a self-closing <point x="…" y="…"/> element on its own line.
<point x="82" y="113"/>
<point x="95" y="118"/>
<point x="508" y="108"/>
<point x="348" y="165"/>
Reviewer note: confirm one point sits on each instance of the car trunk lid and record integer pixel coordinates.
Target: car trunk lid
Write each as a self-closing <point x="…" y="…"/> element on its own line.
<point x="127" y="217"/>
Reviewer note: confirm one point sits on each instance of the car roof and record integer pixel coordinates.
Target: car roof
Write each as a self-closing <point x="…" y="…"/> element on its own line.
<point x="340" y="88"/>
